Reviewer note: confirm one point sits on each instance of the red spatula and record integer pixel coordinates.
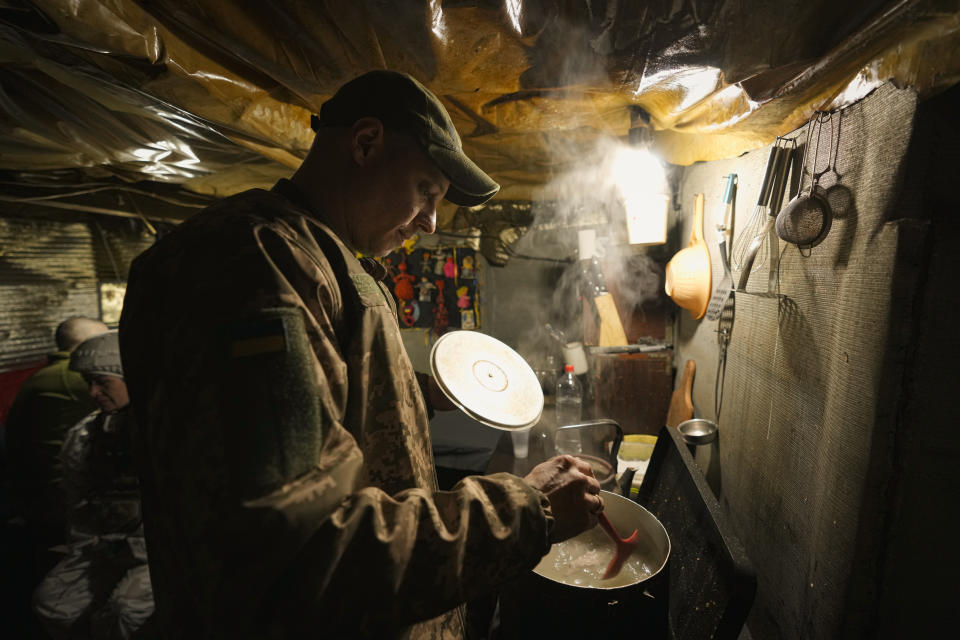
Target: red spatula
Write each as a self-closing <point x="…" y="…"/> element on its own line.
<point x="625" y="546"/>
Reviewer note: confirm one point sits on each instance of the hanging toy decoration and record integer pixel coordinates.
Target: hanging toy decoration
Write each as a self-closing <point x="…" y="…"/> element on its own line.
<point x="404" y="283"/>
<point x="426" y="288"/>
<point x="467" y="319"/>
<point x="466" y="311"/>
<point x="411" y="242"/>
<point x="466" y="271"/>
<point x="409" y="313"/>
<point x="388" y="265"/>
<point x="463" y="300"/>
<point x="450" y="268"/>
<point x="435" y="289"/>
<point x="441" y="318"/>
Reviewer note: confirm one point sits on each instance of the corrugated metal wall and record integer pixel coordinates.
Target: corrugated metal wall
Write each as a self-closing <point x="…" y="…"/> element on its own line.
<point x="46" y="275"/>
<point x="116" y="242"/>
<point x="49" y="271"/>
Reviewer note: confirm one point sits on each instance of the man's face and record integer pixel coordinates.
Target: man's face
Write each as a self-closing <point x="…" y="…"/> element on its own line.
<point x="405" y="187"/>
<point x="109" y="392"/>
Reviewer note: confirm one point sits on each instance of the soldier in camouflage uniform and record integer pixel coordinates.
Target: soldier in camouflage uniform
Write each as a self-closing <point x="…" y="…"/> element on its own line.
<point x="101" y="590"/>
<point x="287" y="477"/>
<point x="51" y="401"/>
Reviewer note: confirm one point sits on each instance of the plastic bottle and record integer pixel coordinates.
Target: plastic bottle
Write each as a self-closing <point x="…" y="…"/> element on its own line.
<point x="569" y="403"/>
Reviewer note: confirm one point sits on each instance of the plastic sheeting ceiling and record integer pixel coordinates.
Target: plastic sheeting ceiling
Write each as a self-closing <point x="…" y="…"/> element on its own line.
<point x="216" y="96"/>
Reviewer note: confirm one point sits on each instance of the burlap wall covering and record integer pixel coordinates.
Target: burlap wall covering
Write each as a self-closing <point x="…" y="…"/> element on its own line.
<point x="810" y="398"/>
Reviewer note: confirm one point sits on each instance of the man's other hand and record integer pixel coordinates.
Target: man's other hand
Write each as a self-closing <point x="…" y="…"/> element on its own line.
<point x="573" y="491"/>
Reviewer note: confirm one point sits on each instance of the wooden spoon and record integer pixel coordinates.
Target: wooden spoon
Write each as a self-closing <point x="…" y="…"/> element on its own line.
<point x="625" y="546"/>
<point x="681" y="402"/>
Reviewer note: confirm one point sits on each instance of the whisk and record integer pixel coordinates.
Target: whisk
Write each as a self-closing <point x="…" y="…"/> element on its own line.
<point x="768" y="205"/>
<point x="757" y="218"/>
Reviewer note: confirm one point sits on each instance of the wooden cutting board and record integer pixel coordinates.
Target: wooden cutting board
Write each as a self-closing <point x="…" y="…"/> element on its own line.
<point x="681" y="402"/>
<point x="611" y="329"/>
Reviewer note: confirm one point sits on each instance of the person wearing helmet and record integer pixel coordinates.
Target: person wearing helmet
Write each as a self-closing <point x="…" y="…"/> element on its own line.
<point x="101" y="589"/>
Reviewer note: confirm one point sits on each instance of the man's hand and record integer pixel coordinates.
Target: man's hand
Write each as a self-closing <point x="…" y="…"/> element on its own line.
<point x="438" y="399"/>
<point x="573" y="492"/>
<point x="433" y="395"/>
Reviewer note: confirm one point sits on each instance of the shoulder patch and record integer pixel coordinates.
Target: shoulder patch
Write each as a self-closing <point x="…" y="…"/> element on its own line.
<point x="257" y="337"/>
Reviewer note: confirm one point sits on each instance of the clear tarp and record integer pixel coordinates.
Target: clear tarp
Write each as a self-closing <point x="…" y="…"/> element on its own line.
<point x="217" y="96"/>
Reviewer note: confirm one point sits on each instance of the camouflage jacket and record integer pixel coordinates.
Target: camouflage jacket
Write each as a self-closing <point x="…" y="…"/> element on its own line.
<point x="99" y="478"/>
<point x="287" y="478"/>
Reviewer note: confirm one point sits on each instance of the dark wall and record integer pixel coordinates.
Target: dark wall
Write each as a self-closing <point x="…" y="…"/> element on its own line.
<point x="916" y="577"/>
<point x="831" y="460"/>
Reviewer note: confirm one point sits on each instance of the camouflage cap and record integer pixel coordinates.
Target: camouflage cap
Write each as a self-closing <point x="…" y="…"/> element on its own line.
<point x="98" y="355"/>
<point x="398" y="100"/>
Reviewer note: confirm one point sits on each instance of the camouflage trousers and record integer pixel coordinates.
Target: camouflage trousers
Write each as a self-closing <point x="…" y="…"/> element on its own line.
<point x="101" y="591"/>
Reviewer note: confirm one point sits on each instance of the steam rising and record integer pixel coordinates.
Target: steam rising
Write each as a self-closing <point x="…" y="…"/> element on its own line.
<point x="592" y="194"/>
<point x="599" y="181"/>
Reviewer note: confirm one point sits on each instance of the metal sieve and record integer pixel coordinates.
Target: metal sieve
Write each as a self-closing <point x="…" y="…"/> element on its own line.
<point x="806" y="220"/>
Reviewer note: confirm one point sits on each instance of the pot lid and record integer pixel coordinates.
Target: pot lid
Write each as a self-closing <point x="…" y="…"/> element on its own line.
<point x="487" y="379"/>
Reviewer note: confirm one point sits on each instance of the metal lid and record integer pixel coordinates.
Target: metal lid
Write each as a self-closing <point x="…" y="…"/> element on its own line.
<point x="490" y="381"/>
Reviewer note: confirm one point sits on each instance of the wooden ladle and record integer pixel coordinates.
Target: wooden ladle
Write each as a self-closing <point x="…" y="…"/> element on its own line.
<point x="625" y="546"/>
